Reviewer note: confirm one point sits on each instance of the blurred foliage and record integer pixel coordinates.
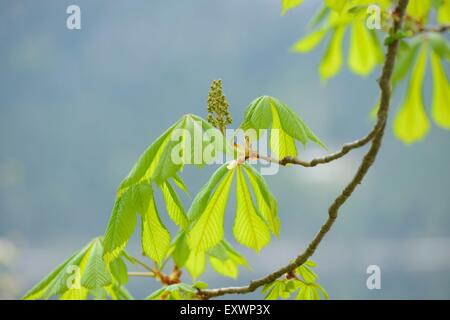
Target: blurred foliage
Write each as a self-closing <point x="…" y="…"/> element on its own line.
<point x="365" y="53"/>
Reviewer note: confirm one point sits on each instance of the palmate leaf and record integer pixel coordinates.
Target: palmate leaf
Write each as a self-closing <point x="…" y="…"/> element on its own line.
<point x="267" y="112"/>
<point x="156" y="162"/>
<point x="249" y="227"/>
<point x="191" y="140"/>
<point x="206" y="217"/>
<point x="82" y="273"/>
<point x="411" y="123"/>
<point x="208" y="208"/>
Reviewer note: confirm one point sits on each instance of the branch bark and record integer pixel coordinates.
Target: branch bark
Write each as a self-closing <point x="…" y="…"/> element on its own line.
<point x="369" y="158"/>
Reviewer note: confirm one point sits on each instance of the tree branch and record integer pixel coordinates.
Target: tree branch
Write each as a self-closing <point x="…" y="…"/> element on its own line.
<point x="368" y="160"/>
<point x="439" y="29"/>
<point x="346" y="148"/>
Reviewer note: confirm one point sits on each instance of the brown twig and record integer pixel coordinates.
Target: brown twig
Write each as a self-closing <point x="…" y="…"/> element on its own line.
<point x="439" y="29"/>
<point x="369" y="158"/>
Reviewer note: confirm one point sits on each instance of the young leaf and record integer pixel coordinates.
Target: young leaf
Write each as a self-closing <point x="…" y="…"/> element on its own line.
<point x="411" y="123"/>
<point x="405" y="59"/>
<point x="267" y="203"/>
<point x="173" y="206"/>
<point x="121" y="224"/>
<point x="201" y="200"/>
<point x="267" y="112"/>
<point x="155" y="237"/>
<point x="441" y="93"/>
<point x="196" y="263"/>
<point x="181" y="249"/>
<point x="96" y="274"/>
<point x="287" y="5"/>
<point x="157" y="162"/>
<point x="336" y="5"/>
<point x="73" y="279"/>
<point x="332" y="60"/>
<point x="443" y="16"/>
<point x="249" y="228"/>
<point x="364" y="52"/>
<point x="310" y="41"/>
<point x="207" y="231"/>
<point x="119" y="270"/>
<point x="274" y="290"/>
<point x="225" y="260"/>
<point x="281" y="144"/>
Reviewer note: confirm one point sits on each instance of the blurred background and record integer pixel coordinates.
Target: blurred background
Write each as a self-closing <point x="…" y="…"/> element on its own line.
<point x="77" y="107"/>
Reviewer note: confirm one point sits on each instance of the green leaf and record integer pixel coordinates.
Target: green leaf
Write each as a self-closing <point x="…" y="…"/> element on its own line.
<point x="287" y="5"/>
<point x="225" y="260"/>
<point x="196" y="262"/>
<point x="336" y="5"/>
<point x="121" y="224"/>
<point x="181" y="139"/>
<point x="281" y="144"/>
<point x="39" y="290"/>
<point x="411" y="123"/>
<point x="310" y="41"/>
<point x="119" y="270"/>
<point x="181" y="249"/>
<point x="249" y="228"/>
<point x="96" y="274"/>
<point x="274" y="290"/>
<point x="155" y="237"/>
<point x="201" y="200"/>
<point x="365" y="52"/>
<point x="200" y="285"/>
<point x="267" y="203"/>
<point x="267" y="112"/>
<point x="310" y="291"/>
<point x="306" y="273"/>
<point x="320" y="15"/>
<point x="443" y="15"/>
<point x="332" y="60"/>
<point x="441" y="93"/>
<point x="173" y="206"/>
<point x="174" y="292"/>
<point x="405" y="59"/>
<point x="207" y="231"/>
<point x="74" y="278"/>
<point x="180" y="183"/>
<point x="75" y="294"/>
<point x="440" y="45"/>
